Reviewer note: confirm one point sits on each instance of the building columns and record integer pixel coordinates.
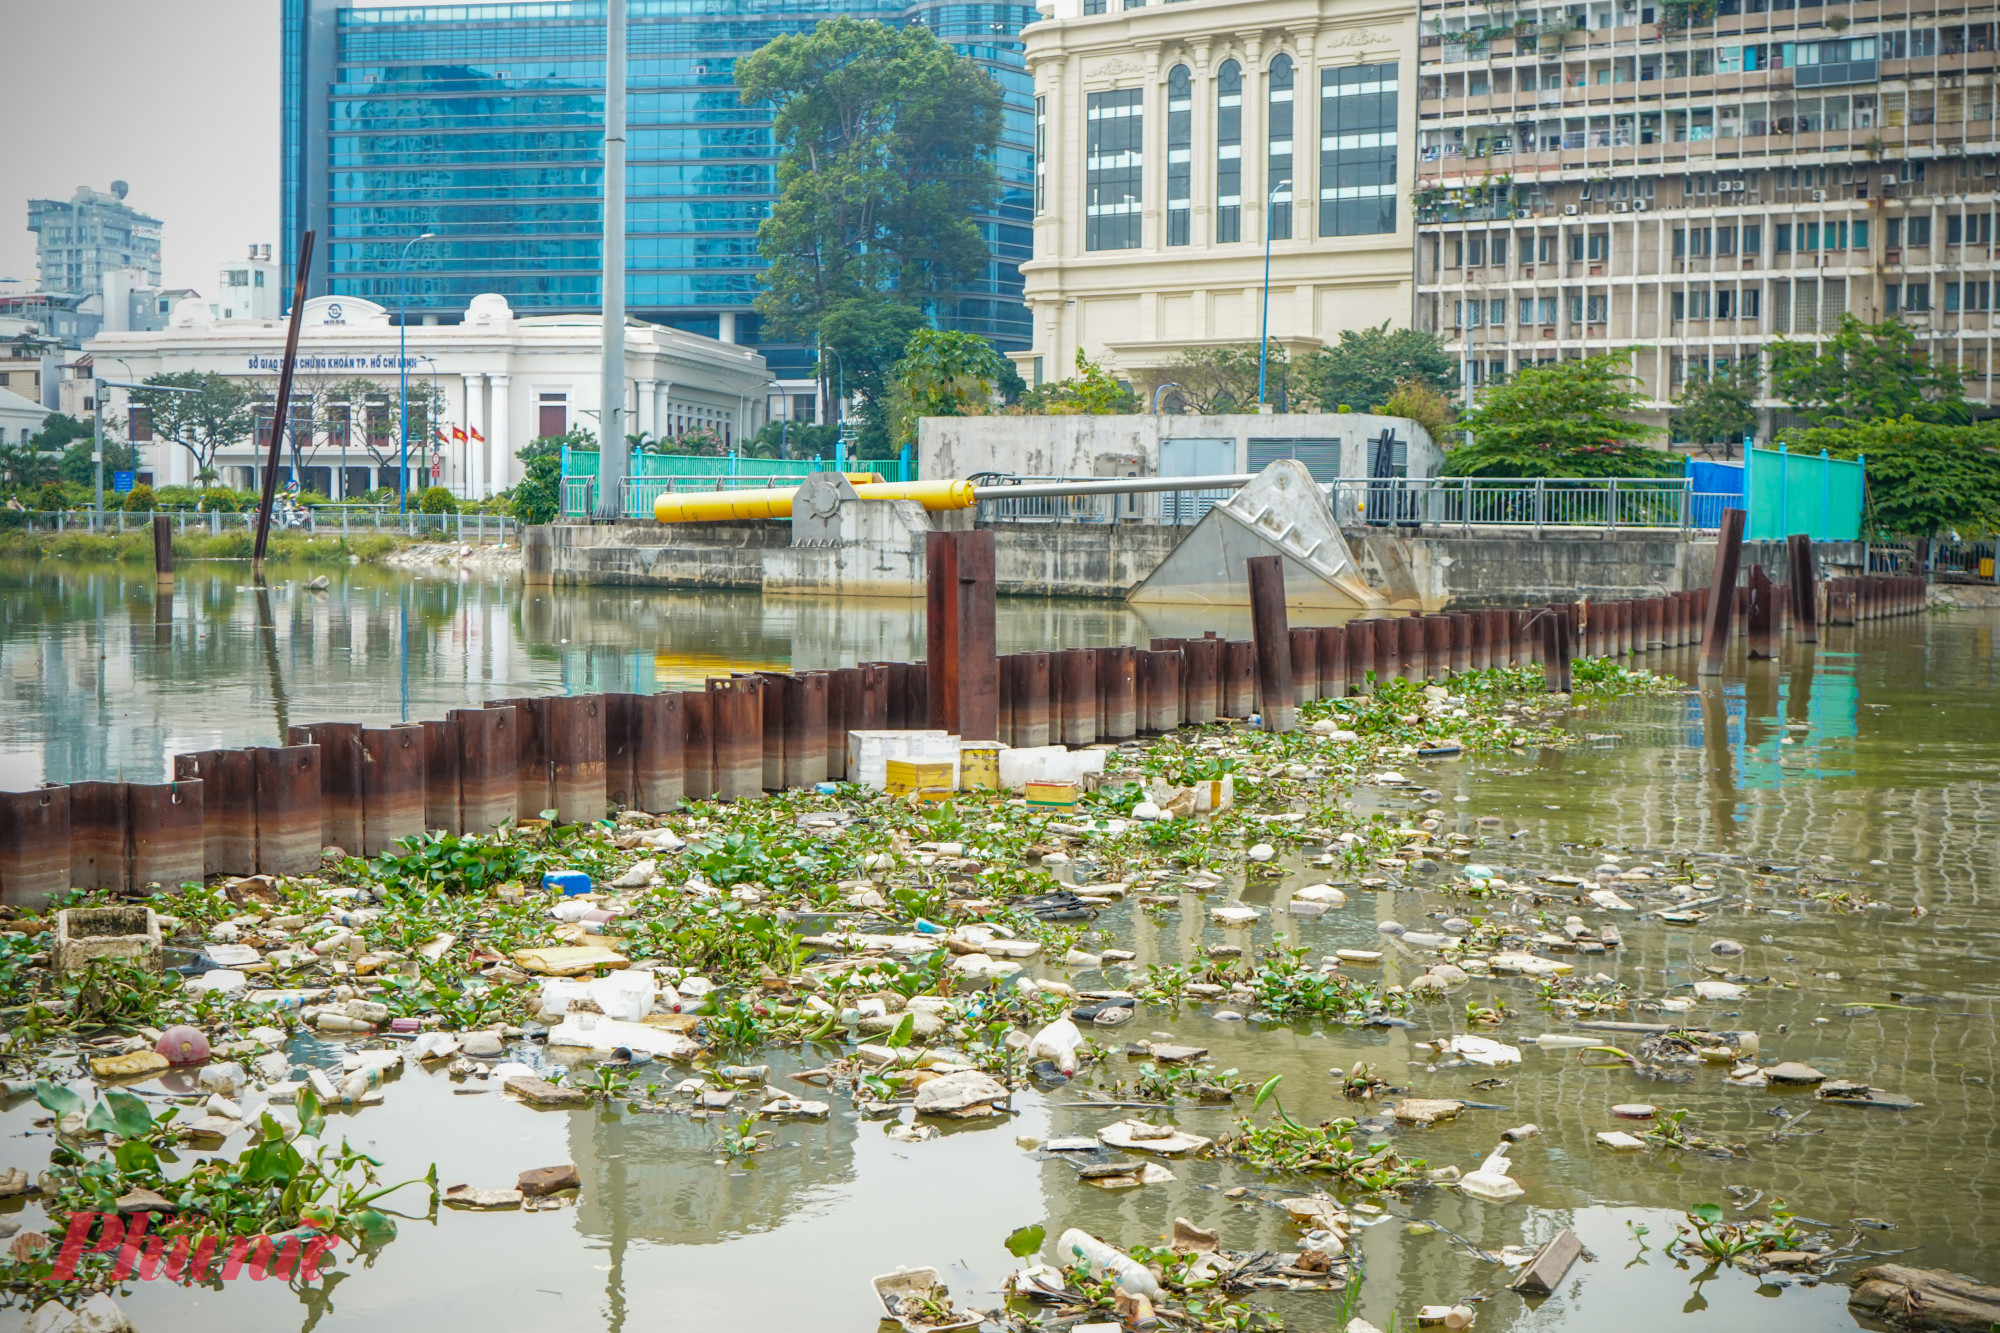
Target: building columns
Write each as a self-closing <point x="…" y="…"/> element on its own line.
<point x="499" y="441"/>
<point x="475" y="431"/>
<point x="643" y="390"/>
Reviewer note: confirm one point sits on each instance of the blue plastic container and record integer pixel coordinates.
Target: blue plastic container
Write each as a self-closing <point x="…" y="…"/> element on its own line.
<point x="568" y="882"/>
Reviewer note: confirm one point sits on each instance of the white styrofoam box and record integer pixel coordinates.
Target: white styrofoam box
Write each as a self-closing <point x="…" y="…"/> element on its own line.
<point x="869" y="753"/>
<point x="1047" y="763"/>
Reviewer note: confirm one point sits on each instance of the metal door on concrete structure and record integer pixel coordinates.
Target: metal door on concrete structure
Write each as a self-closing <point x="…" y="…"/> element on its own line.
<point x="1193" y="457"/>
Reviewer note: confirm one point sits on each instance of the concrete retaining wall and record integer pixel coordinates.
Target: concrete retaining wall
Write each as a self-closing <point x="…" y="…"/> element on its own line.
<point x="1105" y="561"/>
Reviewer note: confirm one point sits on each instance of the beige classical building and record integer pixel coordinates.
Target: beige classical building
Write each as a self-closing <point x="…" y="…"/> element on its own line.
<point x="1161" y="133"/>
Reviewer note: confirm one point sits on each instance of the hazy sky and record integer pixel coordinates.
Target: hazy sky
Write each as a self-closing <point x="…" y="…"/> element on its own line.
<point x="177" y="97"/>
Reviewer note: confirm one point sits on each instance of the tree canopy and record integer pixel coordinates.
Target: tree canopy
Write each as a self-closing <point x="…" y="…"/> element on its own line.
<point x="1569" y="419"/>
<point x="1361" y="370"/>
<point x="1092" y="391"/>
<point x="1866" y="372"/>
<point x="1219" y="379"/>
<point x="942" y="373"/>
<point x="1924" y="478"/>
<point x="886" y="139"/>
<point x="1718" y="407"/>
<point x="220" y="411"/>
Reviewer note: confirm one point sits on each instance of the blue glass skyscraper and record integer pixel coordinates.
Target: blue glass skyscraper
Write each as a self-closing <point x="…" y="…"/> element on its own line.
<point x="483" y="124"/>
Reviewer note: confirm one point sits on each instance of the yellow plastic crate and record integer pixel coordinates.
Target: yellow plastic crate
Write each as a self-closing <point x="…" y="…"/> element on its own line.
<point x="1054" y="795"/>
<point x="926" y="782"/>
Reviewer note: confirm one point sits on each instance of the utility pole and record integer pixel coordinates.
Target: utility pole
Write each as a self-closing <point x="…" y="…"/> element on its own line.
<point x="614" y="460"/>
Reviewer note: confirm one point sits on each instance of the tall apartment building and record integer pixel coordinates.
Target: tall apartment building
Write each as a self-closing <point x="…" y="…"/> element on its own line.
<point x="1699" y="178"/>
<point x="1163" y="135"/>
<point x="484" y="124"/>
<point x="93" y="232"/>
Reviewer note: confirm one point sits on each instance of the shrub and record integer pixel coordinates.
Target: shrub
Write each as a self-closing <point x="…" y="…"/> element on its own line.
<point x="437" y="500"/>
<point x="139" y="499"/>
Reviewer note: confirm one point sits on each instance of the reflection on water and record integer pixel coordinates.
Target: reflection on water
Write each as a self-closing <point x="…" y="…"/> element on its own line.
<point x="1868" y="768"/>
<point x="102" y="677"/>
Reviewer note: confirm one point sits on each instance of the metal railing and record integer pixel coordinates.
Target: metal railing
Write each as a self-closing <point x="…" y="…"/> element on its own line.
<point x="1171" y="508"/>
<point x="327" y="520"/>
<point x="1527" y="502"/>
<point x="579" y="496"/>
<point x="1965" y="562"/>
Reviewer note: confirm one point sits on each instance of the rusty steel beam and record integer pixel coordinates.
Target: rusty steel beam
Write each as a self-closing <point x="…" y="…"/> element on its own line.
<point x="1118" y="693"/>
<point x="622" y="713"/>
<point x="874" y="699"/>
<point x="657" y="753"/>
<point x="286" y="782"/>
<point x="166" y="846"/>
<point x="697" y="746"/>
<point x="1201" y="680"/>
<point x="962" y="670"/>
<point x="1304" y="646"/>
<point x="163" y="551"/>
<point x="532" y="792"/>
<point x="1722" y="594"/>
<point x="736" y="712"/>
<point x="1271" y="632"/>
<point x="228" y="808"/>
<point x="487" y="787"/>
<point x="98" y="836"/>
<point x="806" y="695"/>
<point x="576" y="757"/>
<point x="1033" y="722"/>
<point x="771" y="692"/>
<point x="441" y="781"/>
<point x="1360" y="638"/>
<point x="1762" y="634"/>
<point x="34" y="846"/>
<point x="1332" y="657"/>
<point x="1161" y="674"/>
<point x="392" y="787"/>
<point x="843" y="714"/>
<point x="1074" y="671"/>
<point x="340" y="764"/>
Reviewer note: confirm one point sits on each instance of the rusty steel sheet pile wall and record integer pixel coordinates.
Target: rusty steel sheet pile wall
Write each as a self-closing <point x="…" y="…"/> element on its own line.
<point x="365" y="789"/>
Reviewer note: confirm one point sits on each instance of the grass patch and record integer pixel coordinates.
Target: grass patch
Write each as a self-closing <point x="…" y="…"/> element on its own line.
<point x="137" y="547"/>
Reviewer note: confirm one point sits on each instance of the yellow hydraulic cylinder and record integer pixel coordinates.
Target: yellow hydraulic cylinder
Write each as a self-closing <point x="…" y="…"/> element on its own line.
<point x="723" y="506"/>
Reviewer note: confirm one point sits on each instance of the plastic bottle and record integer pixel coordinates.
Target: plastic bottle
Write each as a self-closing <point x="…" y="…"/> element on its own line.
<point x="1122" y="1268"/>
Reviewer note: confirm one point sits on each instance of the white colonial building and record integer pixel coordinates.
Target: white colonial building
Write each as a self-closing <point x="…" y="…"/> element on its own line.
<point x="503" y="380"/>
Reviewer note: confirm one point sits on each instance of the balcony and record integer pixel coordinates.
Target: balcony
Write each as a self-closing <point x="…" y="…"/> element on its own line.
<point x="1839" y="72"/>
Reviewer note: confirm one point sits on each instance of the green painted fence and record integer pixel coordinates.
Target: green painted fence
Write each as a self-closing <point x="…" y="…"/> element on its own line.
<point x="1819" y="496"/>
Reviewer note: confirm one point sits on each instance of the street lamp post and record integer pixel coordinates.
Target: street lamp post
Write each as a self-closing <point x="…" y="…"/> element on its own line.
<point x="1264" y="334"/>
<point x="433" y="444"/>
<point x="403" y="367"/>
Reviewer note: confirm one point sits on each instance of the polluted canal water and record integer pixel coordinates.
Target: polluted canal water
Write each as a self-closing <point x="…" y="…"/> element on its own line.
<point x="1803" y="850"/>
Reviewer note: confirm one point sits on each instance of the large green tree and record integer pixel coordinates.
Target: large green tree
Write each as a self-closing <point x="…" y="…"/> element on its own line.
<point x="1569" y="419"/>
<point x="1866" y="372"/>
<point x="1924" y="477"/>
<point x="886" y="139"/>
<point x="219" y="411"/>
<point x="1719" y="406"/>
<point x="1361" y="370"/>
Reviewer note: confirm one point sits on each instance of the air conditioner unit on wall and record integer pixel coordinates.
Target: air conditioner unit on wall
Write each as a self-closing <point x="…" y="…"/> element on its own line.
<point x="1819" y="196"/>
<point x="1569" y="210"/>
<point x="1640" y="205"/>
<point x="1621" y="207"/>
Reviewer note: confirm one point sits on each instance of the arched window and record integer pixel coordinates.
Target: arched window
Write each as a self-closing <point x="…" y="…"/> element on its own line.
<point x="1180" y="155"/>
<point x="1229" y="152"/>
<point x="1278" y="148"/>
